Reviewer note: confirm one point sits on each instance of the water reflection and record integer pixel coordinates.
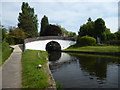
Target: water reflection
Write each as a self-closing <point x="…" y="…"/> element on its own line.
<point x="94" y="65"/>
<point x="84" y="71"/>
<point x="53" y="56"/>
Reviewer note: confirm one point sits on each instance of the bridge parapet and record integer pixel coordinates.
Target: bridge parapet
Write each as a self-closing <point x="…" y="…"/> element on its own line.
<point x="48" y="38"/>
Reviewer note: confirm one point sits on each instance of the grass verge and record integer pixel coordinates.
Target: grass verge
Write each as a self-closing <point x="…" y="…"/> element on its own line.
<point x="0" y="53"/>
<point x="6" y="52"/>
<point x="108" y="49"/>
<point x="32" y="77"/>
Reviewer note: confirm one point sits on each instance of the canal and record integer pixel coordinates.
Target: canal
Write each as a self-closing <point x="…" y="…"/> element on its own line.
<point x="84" y="71"/>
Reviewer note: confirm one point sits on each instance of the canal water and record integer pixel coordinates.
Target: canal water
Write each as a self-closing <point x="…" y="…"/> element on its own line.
<point x="84" y="71"/>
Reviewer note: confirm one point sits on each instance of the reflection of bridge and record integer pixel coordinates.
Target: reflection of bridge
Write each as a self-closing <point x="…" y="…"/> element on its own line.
<point x="39" y="43"/>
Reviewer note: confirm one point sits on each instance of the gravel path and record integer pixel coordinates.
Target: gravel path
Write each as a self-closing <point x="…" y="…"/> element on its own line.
<point x="11" y="70"/>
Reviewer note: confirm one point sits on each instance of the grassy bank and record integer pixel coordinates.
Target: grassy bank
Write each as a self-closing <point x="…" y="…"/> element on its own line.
<point x="6" y="51"/>
<point x="108" y="49"/>
<point x="0" y="53"/>
<point x="32" y="77"/>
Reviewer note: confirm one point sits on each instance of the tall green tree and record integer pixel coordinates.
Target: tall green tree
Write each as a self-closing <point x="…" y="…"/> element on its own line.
<point x="44" y="23"/>
<point x="28" y="21"/>
<point x="99" y="27"/>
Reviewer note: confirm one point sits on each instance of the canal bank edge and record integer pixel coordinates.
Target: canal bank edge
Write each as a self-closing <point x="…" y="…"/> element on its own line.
<point x="51" y="79"/>
<point x="117" y="54"/>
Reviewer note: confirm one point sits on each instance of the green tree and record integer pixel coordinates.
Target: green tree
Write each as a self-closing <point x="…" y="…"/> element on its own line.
<point x="117" y="35"/>
<point x="66" y="32"/>
<point x="16" y="36"/>
<point x="110" y="36"/>
<point x="87" y="29"/>
<point x="107" y="31"/>
<point x="28" y="21"/>
<point x="72" y="34"/>
<point x="4" y="33"/>
<point x="44" y="23"/>
<point x="99" y="27"/>
<point x="89" y="19"/>
<point x="94" y="29"/>
<point x="17" y="33"/>
<point x="52" y="30"/>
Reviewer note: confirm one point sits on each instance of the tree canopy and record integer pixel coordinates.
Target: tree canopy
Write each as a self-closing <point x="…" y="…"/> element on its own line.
<point x="52" y="30"/>
<point x="28" y="21"/>
<point x="94" y="29"/>
<point x="44" y="23"/>
<point x="66" y="32"/>
<point x="99" y="27"/>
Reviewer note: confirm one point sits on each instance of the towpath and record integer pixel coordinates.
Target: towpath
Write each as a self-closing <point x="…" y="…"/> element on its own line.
<point x="11" y="70"/>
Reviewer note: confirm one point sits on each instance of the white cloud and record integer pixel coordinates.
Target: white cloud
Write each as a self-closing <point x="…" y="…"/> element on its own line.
<point x="69" y="15"/>
<point x="60" y="0"/>
<point x="10" y="12"/>
<point x="112" y="23"/>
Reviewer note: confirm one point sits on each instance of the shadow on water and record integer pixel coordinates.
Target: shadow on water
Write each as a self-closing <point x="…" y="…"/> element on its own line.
<point x="84" y="71"/>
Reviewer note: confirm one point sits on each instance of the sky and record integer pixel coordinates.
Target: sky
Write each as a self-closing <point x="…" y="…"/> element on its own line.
<point x="67" y="13"/>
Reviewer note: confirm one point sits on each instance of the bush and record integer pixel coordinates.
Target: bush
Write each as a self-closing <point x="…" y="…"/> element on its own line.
<point x="14" y="40"/>
<point x="6" y="51"/>
<point x="86" y="41"/>
<point x="110" y="36"/>
<point x="117" y="35"/>
<point x="113" y="42"/>
<point x="10" y="40"/>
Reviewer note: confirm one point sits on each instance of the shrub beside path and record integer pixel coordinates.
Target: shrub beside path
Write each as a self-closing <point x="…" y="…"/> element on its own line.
<point x="11" y="70"/>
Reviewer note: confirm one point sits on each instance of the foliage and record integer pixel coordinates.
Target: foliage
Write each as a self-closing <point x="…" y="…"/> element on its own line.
<point x="117" y="35"/>
<point x="94" y="29"/>
<point x="4" y="33"/>
<point x="72" y="34"/>
<point x="10" y="40"/>
<point x="99" y="27"/>
<point x="113" y="42"/>
<point x="87" y="29"/>
<point x="44" y="23"/>
<point x="107" y="31"/>
<point x="110" y="36"/>
<point x="32" y="77"/>
<point x="28" y="21"/>
<point x="86" y="41"/>
<point x="52" y="30"/>
<point x="17" y="33"/>
<point x="6" y="51"/>
<point x="66" y="32"/>
<point x="16" y="36"/>
<point x="102" y="37"/>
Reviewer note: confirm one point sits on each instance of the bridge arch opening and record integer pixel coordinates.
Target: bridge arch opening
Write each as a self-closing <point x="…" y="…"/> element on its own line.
<point x="53" y="46"/>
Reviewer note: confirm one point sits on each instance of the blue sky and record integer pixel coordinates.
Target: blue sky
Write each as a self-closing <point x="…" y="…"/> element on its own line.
<point x="70" y="15"/>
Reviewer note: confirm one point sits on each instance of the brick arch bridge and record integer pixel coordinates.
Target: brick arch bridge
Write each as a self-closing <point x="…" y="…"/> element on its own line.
<point x="39" y="43"/>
